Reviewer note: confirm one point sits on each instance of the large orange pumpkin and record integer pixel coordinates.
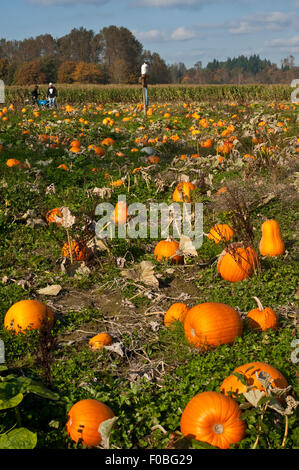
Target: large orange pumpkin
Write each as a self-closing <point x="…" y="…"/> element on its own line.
<point x="237" y="262"/>
<point x="211" y="324"/>
<point x="28" y="315"/>
<point x="271" y="243"/>
<point x="84" y="419"/>
<point x="249" y="372"/>
<point x="166" y="249"/>
<point x="213" y="418"/>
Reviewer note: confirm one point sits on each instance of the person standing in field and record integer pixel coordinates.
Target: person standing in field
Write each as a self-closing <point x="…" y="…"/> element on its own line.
<point x="52" y="95"/>
<point x="34" y="95"/>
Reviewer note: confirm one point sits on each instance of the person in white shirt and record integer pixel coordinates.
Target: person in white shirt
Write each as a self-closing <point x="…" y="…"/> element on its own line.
<point x="52" y="95"/>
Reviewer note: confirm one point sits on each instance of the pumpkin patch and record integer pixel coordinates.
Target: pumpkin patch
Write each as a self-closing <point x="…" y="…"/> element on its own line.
<point x="145" y="325"/>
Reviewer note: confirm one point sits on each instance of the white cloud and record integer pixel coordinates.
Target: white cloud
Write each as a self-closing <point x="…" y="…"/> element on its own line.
<point x="183" y="34"/>
<point x="273" y="21"/>
<point x="153" y="35"/>
<point x="172" y="3"/>
<point x="294" y="41"/>
<point x="48" y="3"/>
<point x="179" y="34"/>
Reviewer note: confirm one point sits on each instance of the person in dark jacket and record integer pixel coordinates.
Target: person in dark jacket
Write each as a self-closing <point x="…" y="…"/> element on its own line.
<point x="34" y="95"/>
<point x="52" y="95"/>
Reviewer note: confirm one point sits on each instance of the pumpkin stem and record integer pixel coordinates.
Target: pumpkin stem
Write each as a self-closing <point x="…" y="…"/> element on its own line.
<point x="218" y="428"/>
<point x="259" y="304"/>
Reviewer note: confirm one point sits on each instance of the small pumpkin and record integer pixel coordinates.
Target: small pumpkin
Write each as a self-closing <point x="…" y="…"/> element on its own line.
<point x="14" y="162"/>
<point x="211" y="324"/>
<point x="51" y="214"/>
<point x="221" y="233"/>
<point x="80" y="251"/>
<point x="166" y="250"/>
<point x="237" y="262"/>
<point x="262" y="318"/>
<point x="213" y="418"/>
<point x="120" y="213"/>
<point x="76" y="143"/>
<point x="182" y="192"/>
<point x="271" y="243"/>
<point x="153" y="159"/>
<point x="28" y="315"/>
<point x="84" y="419"/>
<point x="250" y="372"/>
<point x="99" y="151"/>
<point x="177" y="312"/>
<point x="100" y="340"/>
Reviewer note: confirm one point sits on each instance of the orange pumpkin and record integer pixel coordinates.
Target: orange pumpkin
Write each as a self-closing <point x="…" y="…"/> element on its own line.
<point x="177" y="312"/>
<point x="98" y="150"/>
<point x="63" y="167"/>
<point x="50" y="215"/>
<point x="271" y="243"/>
<point x="250" y="372"/>
<point x="208" y="143"/>
<point x="166" y="250"/>
<point x="100" y="340"/>
<point x="153" y="159"/>
<point x="211" y="324"/>
<point x="80" y="251"/>
<point x="262" y="318"/>
<point x="182" y="192"/>
<point x="120" y="213"/>
<point x="28" y="315"/>
<point x="221" y="233"/>
<point x="14" y="162"/>
<point x="237" y="262"/>
<point x="213" y="418"/>
<point x="84" y="419"/>
<point x="76" y="143"/>
<point x="108" y="141"/>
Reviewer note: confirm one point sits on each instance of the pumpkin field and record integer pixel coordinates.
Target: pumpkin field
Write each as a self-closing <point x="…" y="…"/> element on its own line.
<point x="116" y="342"/>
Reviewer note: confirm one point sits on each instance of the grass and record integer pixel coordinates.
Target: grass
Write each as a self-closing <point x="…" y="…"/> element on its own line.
<point x="159" y="372"/>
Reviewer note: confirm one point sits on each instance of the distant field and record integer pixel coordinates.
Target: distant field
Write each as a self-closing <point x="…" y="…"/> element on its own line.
<point x="78" y="93"/>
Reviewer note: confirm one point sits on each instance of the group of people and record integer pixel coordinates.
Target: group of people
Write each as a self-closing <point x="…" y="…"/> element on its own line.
<point x="51" y="96"/>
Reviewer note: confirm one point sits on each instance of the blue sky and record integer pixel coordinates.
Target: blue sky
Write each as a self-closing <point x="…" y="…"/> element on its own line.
<point x="179" y="30"/>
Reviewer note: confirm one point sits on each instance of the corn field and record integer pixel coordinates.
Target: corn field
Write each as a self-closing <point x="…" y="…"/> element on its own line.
<point x="79" y="93"/>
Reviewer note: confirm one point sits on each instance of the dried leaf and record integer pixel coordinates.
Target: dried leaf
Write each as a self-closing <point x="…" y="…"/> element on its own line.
<point x="101" y="245"/>
<point x="144" y="273"/>
<point x="51" y="189"/>
<point x="82" y="270"/>
<point x="147" y="276"/>
<point x="105" y="431"/>
<point x="67" y="220"/>
<point x="254" y="396"/>
<point x="50" y="290"/>
<point x="186" y="246"/>
<point x="116" y="348"/>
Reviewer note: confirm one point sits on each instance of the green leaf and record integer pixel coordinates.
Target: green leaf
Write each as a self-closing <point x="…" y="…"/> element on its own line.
<point x="20" y="438"/>
<point x="201" y="445"/>
<point x="42" y="391"/>
<point x="10" y="401"/>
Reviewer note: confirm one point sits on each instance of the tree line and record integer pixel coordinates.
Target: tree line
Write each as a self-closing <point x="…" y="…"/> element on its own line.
<point x="114" y="55"/>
